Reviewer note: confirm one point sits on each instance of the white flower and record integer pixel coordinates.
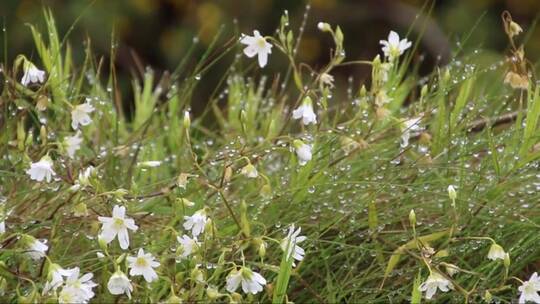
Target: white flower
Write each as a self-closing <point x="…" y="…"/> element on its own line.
<point x="290" y="244"/>
<point x="32" y="74"/>
<point x="250" y="171"/>
<point x="434" y="281"/>
<point x="496" y="252"/>
<point x="149" y="164"/>
<point x="196" y="222"/>
<point x="34" y="249"/>
<point x="409" y="126"/>
<point x="257" y="45"/>
<point x="119" y="284"/>
<point x="529" y="290"/>
<point x="143" y="264"/>
<point x="79" y="115"/>
<point x="42" y="170"/>
<point x="77" y="290"/>
<point x="251" y="281"/>
<point x="69" y="295"/>
<point x="2" y="227"/>
<point x="188" y="245"/>
<point x="56" y="277"/>
<point x="305" y="111"/>
<point x="118" y="224"/>
<point x="303" y="152"/>
<point x="73" y="143"/>
<point x="393" y="47"/>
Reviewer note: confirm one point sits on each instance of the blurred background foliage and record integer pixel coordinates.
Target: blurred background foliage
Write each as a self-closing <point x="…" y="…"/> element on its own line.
<point x="158" y="33"/>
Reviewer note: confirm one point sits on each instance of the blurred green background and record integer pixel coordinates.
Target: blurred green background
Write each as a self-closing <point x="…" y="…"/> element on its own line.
<point x="159" y="32"/>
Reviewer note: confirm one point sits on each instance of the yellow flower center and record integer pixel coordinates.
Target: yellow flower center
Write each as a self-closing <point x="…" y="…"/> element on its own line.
<point x="118" y="222"/>
<point x="141" y="262"/>
<point x="261" y="42"/>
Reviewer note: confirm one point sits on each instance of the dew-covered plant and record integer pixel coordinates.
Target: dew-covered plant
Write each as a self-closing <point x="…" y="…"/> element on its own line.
<point x="289" y="187"/>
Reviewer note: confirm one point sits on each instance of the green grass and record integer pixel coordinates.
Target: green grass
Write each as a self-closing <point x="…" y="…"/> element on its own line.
<point x="353" y="204"/>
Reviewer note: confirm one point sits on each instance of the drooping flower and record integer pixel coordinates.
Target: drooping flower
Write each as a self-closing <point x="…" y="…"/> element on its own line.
<point x="434" y="281"/>
<point x="303" y="152"/>
<point x="394" y="47"/>
<point x="35" y="249"/>
<point x="409" y="126"/>
<point x="290" y="244"/>
<point x="305" y="111"/>
<point x="32" y="74"/>
<point x="250" y="171"/>
<point x="251" y="281"/>
<point x="196" y="222"/>
<point x="496" y="252"/>
<point x="117" y="225"/>
<point x="41" y="170"/>
<point x="143" y="264"/>
<point x="73" y="143"/>
<point x="55" y="277"/>
<point x="119" y="284"/>
<point x="78" y="290"/>
<point x="79" y="115"/>
<point x="529" y="290"/>
<point x="257" y="45"/>
<point x="187" y="245"/>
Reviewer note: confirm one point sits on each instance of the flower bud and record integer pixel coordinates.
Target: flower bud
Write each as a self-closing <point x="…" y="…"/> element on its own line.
<point x="43" y="135"/>
<point x="121" y="258"/>
<point x="212" y="293"/>
<point x="506" y="260"/>
<point x="197" y="275"/>
<point x="42" y="103"/>
<point x="412" y="217"/>
<point x="266" y="190"/>
<point x="488" y="297"/>
<point x="182" y="180"/>
<point x="185" y="202"/>
<point x="187" y="120"/>
<point x="3" y="286"/>
<point x="324" y="27"/>
<point x="102" y="244"/>
<point x="262" y="249"/>
<point x="452" y="192"/>
<point x="80" y="210"/>
<point x="173" y="299"/>
<point x="424" y="91"/>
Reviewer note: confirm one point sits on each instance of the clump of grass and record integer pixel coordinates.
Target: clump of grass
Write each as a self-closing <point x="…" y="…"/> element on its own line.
<point x="404" y="184"/>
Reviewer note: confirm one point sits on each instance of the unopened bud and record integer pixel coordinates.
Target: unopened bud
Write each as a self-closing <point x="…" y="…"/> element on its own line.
<point x="212" y="293"/>
<point x="324" y="27"/>
<point x="412" y="217"/>
<point x="506" y="260"/>
<point x="80" y="210"/>
<point x="43" y="135"/>
<point x="488" y="297"/>
<point x="452" y="192"/>
<point x="424" y="91"/>
<point x="187" y="120"/>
